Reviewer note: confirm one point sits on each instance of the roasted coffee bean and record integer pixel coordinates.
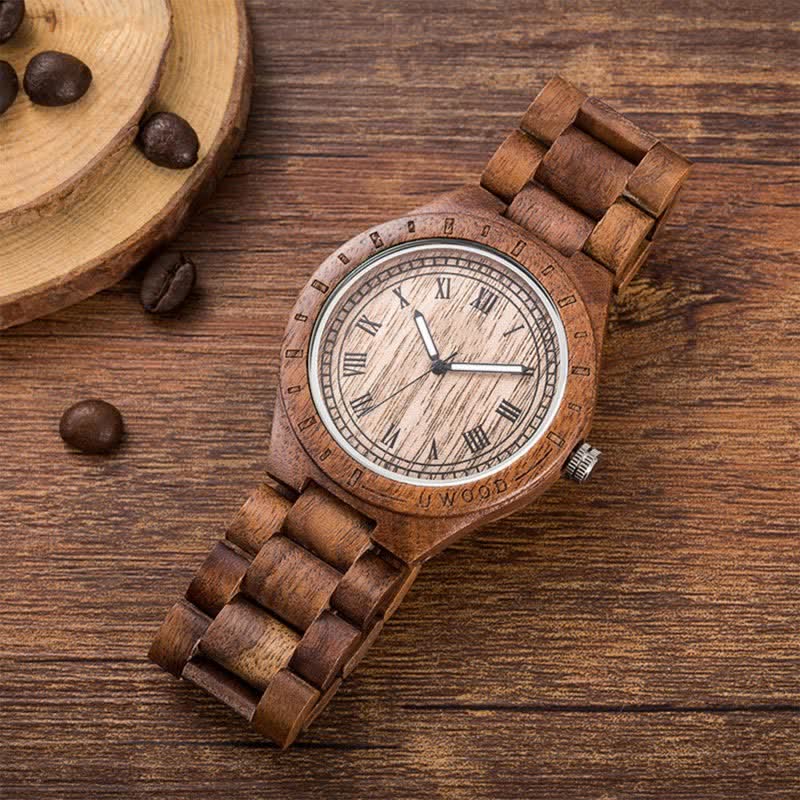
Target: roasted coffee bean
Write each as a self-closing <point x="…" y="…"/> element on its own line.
<point x="92" y="426"/>
<point x="56" y="79"/>
<point x="11" y="15"/>
<point x="167" y="283"/>
<point x="169" y="141"/>
<point x="9" y="86"/>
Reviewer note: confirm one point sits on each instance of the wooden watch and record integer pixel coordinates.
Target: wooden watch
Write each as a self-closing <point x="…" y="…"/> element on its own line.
<point x="439" y="371"/>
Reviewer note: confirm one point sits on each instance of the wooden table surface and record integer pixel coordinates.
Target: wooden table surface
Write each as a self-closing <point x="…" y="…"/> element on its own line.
<point x="633" y="638"/>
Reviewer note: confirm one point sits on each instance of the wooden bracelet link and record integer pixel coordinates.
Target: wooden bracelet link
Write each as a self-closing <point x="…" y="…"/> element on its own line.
<point x="580" y="176"/>
<point x="283" y="609"/>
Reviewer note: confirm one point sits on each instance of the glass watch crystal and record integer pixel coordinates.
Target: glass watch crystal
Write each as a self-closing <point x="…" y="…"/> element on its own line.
<point x="438" y="361"/>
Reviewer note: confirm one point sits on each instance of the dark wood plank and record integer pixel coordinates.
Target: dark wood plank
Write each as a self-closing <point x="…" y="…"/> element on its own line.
<point x="636" y="637"/>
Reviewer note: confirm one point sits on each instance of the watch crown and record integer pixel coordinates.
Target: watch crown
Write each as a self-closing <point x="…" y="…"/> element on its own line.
<point x="580" y="465"/>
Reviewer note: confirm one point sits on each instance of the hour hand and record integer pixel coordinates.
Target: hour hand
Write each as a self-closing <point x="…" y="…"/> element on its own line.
<point x="425" y="333"/>
<point x="504" y="369"/>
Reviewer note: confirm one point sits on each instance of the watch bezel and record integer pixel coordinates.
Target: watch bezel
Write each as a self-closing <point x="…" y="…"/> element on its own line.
<point x="520" y="476"/>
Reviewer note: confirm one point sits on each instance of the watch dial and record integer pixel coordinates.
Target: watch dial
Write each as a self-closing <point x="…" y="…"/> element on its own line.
<point x="438" y="361"/>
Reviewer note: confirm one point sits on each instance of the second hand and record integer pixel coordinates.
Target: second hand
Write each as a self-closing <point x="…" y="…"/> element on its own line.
<point x="410" y="383"/>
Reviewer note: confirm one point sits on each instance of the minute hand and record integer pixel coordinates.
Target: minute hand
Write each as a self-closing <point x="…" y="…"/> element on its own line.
<point x="507" y="369"/>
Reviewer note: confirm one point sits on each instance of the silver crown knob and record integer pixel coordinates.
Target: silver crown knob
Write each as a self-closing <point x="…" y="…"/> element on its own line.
<point x="580" y="465"/>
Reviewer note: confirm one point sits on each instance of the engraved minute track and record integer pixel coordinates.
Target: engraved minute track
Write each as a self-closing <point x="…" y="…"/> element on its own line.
<point x="438" y="361"/>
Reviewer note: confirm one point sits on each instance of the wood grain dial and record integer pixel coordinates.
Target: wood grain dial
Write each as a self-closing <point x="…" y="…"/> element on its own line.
<point x="438" y="361"/>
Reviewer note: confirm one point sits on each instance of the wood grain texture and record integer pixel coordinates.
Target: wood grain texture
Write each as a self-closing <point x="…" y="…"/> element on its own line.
<point x="125" y="207"/>
<point x="301" y="451"/>
<point x="598" y="165"/>
<point x="268" y="636"/>
<point x="633" y="638"/>
<point x="48" y="153"/>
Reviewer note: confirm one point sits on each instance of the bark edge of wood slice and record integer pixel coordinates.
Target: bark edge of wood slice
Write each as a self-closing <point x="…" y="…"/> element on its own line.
<point x="132" y="207"/>
<point x="49" y="153"/>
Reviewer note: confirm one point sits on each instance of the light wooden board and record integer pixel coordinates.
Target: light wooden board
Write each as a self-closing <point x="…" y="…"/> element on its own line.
<point x="130" y="207"/>
<point x="49" y="152"/>
<point x="633" y="638"/>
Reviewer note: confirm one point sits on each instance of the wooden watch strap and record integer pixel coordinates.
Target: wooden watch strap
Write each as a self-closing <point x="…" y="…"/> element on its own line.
<point x="283" y="609"/>
<point x="580" y="176"/>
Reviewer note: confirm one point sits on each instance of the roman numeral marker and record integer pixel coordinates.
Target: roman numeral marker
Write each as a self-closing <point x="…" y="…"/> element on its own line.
<point x="476" y="439"/>
<point x="485" y="301"/>
<point x="361" y="404"/>
<point x="390" y="437"/>
<point x="443" y="288"/>
<point x="354" y="364"/>
<point x="433" y="455"/>
<point x="398" y="290"/>
<point x="367" y="325"/>
<point x="509" y="411"/>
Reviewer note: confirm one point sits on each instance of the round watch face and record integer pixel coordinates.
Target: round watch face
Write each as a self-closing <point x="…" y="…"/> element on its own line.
<point x="438" y="361"/>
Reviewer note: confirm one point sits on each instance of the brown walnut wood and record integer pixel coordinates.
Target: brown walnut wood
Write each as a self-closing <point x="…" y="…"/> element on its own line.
<point x="553" y="111"/>
<point x="326" y="646"/>
<point x="620" y="236"/>
<point x="249" y="642"/>
<point x="218" y="580"/>
<point x="586" y="173"/>
<point x="512" y="166"/>
<point x="303" y="449"/>
<point x="222" y="685"/>
<point x="259" y="519"/>
<point x="290" y="613"/>
<point x="269" y="637"/>
<point x="632" y="638"/>
<point x="285" y="708"/>
<point x="611" y="128"/>
<point x="328" y="527"/>
<point x="179" y="636"/>
<point x="602" y="184"/>
<point x="541" y="211"/>
<point x="293" y="583"/>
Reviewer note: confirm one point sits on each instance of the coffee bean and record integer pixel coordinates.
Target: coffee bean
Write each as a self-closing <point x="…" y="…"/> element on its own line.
<point x="169" y="141"/>
<point x="56" y="79"/>
<point x="92" y="426"/>
<point x="9" y="86"/>
<point x="11" y="14"/>
<point x="167" y="282"/>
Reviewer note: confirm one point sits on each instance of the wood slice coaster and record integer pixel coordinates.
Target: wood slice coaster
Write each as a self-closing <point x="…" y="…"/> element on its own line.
<point x="88" y="241"/>
<point x="47" y="152"/>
